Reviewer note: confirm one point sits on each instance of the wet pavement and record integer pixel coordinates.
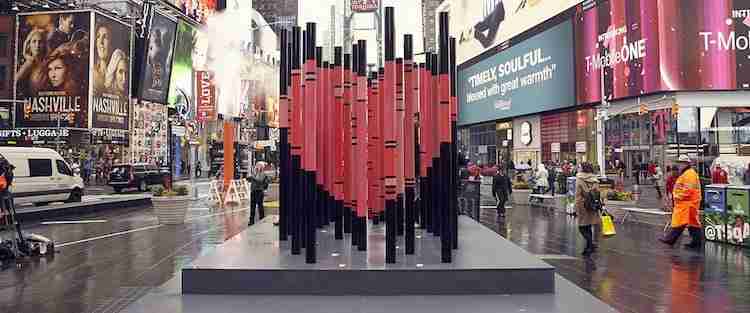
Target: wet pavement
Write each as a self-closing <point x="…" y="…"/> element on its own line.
<point x="632" y="271"/>
<point x="105" y="266"/>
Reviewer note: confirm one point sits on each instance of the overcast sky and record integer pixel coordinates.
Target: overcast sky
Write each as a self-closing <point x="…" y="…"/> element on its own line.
<point x="408" y="21"/>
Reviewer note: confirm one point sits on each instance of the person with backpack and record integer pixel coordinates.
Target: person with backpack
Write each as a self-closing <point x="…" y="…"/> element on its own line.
<point x="501" y="189"/>
<point x="588" y="206"/>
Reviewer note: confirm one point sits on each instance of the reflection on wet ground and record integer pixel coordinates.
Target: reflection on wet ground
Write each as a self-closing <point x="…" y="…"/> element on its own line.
<point x="109" y="272"/>
<point x="632" y="271"/>
<point x="103" y="267"/>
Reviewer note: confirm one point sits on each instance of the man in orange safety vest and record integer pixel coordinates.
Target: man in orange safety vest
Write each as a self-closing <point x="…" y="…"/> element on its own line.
<point x="687" y="201"/>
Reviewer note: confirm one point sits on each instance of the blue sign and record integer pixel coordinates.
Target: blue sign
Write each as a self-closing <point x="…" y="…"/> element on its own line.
<point x="533" y="76"/>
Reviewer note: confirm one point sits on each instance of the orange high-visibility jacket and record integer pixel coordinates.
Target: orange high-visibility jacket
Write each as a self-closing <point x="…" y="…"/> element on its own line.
<point x="687" y="200"/>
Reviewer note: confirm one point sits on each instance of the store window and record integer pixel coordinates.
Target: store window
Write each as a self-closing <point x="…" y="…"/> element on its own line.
<point x="482" y="144"/>
<point x="40" y="167"/>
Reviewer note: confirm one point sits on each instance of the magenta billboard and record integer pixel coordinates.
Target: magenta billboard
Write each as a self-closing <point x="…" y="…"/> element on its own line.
<point x="648" y="46"/>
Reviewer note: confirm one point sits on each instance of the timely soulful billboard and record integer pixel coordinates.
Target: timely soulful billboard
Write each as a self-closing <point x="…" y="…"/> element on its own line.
<point x="482" y="24"/>
<point x="649" y="46"/>
<point x="157" y="67"/>
<point x="110" y="73"/>
<point x="52" y="69"/>
<point x="530" y="77"/>
<point x="180" y="84"/>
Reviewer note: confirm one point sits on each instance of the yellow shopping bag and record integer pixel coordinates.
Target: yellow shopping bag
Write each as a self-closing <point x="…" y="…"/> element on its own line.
<point x="608" y="227"/>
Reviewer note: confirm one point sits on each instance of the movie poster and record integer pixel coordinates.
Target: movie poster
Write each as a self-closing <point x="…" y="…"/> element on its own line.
<point x="110" y="73"/>
<point x="180" y="84"/>
<point x="7" y="30"/>
<point x="157" y="66"/>
<point x="52" y="69"/>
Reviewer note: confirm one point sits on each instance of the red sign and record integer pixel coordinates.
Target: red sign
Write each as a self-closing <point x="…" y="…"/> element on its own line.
<point x="206" y="95"/>
<point x="365" y="5"/>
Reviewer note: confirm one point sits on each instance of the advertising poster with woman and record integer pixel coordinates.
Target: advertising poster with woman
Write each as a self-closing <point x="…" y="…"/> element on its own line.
<point x="180" y="85"/>
<point x="158" y="64"/>
<point x="110" y="73"/>
<point x="52" y="69"/>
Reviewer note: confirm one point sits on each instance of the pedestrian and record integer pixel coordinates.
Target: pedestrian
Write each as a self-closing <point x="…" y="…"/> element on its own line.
<point x="258" y="185"/>
<point x="658" y="180"/>
<point x="621" y="168"/>
<point x="587" y="217"/>
<point x="719" y="175"/>
<point x="542" y="179"/>
<point x="552" y="177"/>
<point x="87" y="164"/>
<point x="501" y="189"/>
<point x="669" y="188"/>
<point x="746" y="176"/>
<point x="687" y="200"/>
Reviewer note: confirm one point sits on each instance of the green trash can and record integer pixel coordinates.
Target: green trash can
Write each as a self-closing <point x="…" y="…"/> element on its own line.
<point x="738" y="200"/>
<point x="738" y="211"/>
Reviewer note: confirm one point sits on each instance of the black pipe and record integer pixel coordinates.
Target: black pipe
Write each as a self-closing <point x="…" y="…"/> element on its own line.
<point x="446" y="240"/>
<point x="311" y="217"/>
<point x="454" y="146"/>
<point x="390" y="204"/>
<point x="296" y="196"/>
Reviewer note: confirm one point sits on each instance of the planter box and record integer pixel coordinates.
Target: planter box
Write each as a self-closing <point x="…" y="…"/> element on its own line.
<point x="171" y="210"/>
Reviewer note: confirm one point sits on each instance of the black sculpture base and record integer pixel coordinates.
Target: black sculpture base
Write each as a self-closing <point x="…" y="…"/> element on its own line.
<point x="256" y="262"/>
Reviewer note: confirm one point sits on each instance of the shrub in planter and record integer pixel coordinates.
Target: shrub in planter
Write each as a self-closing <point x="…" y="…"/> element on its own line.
<point x="171" y="205"/>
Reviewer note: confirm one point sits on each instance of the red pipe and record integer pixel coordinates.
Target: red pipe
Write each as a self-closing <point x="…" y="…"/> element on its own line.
<point x="400" y="115"/>
<point x="338" y="127"/>
<point x="361" y="111"/>
<point x="381" y="148"/>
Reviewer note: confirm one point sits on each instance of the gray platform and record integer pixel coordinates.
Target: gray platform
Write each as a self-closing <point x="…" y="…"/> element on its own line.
<point x="255" y="262"/>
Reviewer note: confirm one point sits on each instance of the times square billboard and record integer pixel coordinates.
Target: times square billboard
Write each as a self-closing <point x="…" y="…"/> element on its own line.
<point x="72" y="70"/>
<point x="645" y="47"/>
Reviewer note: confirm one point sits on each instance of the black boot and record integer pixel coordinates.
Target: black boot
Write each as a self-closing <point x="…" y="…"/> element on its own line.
<point x="588" y="236"/>
<point x="672" y="236"/>
<point x="696" y="240"/>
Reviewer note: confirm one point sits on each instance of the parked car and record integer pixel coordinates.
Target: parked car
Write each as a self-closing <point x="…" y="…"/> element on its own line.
<point x="42" y="176"/>
<point x="136" y="175"/>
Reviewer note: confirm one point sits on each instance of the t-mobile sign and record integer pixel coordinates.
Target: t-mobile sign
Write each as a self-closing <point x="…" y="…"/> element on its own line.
<point x="651" y="46"/>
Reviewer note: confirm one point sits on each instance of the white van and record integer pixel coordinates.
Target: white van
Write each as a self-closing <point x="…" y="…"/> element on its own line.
<point x="41" y="176"/>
